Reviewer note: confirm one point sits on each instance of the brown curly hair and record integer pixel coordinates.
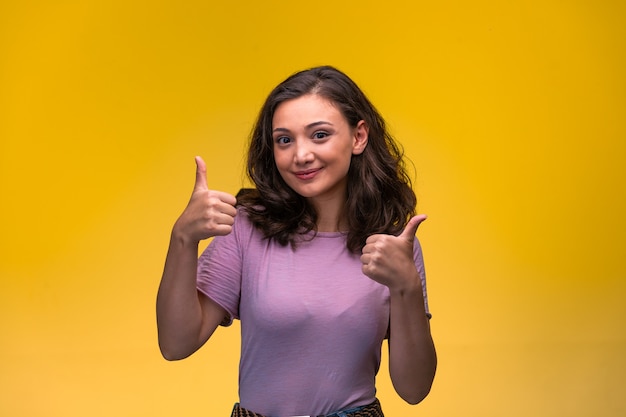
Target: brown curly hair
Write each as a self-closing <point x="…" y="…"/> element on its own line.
<point x="379" y="197"/>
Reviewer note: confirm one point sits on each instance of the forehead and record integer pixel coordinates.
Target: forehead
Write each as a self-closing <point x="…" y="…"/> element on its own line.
<point x="306" y="109"/>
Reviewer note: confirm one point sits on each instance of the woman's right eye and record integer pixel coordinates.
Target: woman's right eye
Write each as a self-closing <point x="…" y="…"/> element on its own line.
<point x="282" y="140"/>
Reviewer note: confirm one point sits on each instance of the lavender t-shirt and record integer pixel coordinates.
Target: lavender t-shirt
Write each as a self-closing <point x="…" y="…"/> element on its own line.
<point x="312" y="324"/>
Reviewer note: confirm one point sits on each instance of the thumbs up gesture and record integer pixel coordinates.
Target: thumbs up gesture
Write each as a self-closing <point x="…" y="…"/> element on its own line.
<point x="388" y="259"/>
<point x="209" y="213"/>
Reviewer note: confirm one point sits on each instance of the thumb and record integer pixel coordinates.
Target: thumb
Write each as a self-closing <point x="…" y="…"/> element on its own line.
<point x="411" y="227"/>
<point x="201" y="182"/>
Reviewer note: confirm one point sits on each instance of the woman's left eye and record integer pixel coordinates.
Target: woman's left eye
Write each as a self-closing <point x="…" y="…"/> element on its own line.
<point x="320" y="135"/>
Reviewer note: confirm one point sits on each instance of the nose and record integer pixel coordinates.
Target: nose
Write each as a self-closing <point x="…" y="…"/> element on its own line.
<point x="303" y="153"/>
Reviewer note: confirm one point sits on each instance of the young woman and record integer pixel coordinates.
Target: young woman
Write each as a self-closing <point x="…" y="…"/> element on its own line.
<point x="319" y="262"/>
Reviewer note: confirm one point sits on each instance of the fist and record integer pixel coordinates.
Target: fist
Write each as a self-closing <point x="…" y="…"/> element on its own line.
<point x="388" y="259"/>
<point x="209" y="213"/>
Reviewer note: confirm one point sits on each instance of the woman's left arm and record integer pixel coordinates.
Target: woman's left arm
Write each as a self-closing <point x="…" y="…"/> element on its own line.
<point x="388" y="260"/>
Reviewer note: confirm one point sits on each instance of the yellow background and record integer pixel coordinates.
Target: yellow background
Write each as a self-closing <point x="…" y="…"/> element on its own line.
<point x="512" y="113"/>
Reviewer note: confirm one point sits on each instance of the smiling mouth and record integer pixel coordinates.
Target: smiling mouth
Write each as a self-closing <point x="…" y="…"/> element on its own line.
<point x="308" y="174"/>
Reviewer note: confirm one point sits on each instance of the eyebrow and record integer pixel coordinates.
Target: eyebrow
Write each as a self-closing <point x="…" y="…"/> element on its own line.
<point x="310" y="125"/>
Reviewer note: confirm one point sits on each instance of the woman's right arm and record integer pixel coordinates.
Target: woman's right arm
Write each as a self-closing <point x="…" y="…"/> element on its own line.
<point x="187" y="318"/>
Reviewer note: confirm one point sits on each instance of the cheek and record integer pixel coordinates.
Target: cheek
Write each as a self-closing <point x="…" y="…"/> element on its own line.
<point x="347" y="159"/>
<point x="281" y="160"/>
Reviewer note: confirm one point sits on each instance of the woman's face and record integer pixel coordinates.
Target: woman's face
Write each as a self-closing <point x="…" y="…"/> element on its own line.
<point x="313" y="146"/>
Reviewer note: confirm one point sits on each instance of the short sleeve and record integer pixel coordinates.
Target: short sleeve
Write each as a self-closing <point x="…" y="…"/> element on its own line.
<point x="219" y="270"/>
<point x="418" y="258"/>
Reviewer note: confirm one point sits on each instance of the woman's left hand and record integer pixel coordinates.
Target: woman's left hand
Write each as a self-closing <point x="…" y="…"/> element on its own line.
<point x="388" y="259"/>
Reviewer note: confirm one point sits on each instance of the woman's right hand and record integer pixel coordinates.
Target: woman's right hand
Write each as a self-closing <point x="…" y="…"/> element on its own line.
<point x="209" y="213"/>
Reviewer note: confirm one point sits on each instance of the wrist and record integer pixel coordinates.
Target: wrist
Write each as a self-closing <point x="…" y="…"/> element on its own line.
<point x="412" y="286"/>
<point x="181" y="239"/>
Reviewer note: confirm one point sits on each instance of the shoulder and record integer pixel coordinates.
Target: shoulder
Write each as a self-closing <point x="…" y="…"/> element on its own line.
<point x="235" y="244"/>
<point x="243" y="225"/>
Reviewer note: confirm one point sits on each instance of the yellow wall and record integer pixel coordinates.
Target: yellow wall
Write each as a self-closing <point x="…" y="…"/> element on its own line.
<point x="512" y="112"/>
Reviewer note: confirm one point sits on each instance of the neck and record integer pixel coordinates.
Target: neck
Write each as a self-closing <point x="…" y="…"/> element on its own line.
<point x="330" y="216"/>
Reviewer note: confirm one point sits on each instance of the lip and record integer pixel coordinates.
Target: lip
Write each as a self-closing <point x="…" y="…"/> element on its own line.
<point x="307" y="174"/>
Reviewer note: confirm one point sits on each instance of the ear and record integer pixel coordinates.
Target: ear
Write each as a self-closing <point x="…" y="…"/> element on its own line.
<point x="361" y="134"/>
